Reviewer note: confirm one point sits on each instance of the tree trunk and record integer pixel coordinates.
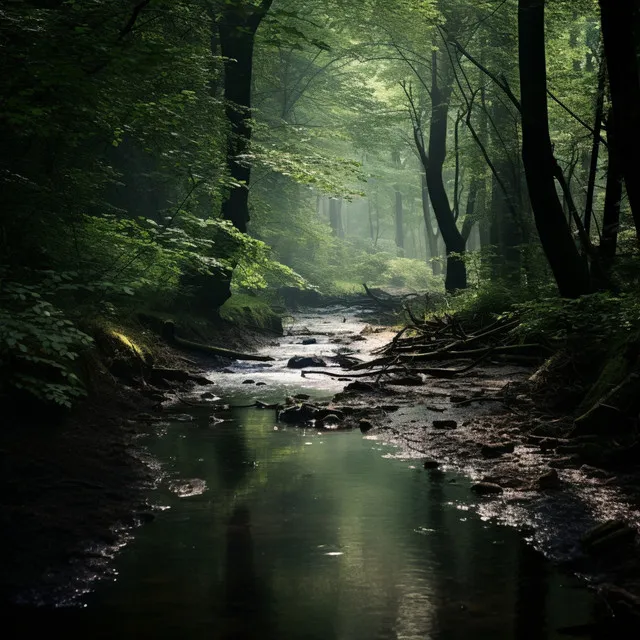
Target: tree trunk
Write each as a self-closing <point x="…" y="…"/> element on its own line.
<point x="568" y="267"/>
<point x="613" y="196"/>
<point x="237" y="28"/>
<point x="399" y="222"/>
<point x="470" y="211"/>
<point x="335" y="217"/>
<point x="595" y="149"/>
<point x="430" y="234"/>
<point x="456" y="277"/>
<point x="618" y="18"/>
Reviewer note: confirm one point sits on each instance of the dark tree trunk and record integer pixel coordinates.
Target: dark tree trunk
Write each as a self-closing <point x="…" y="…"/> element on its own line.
<point x="568" y="267"/>
<point x="470" y="211"/>
<point x="456" y="277"/>
<point x="618" y="19"/>
<point x="595" y="149"/>
<point x="237" y="28"/>
<point x="613" y="196"/>
<point x="430" y="234"/>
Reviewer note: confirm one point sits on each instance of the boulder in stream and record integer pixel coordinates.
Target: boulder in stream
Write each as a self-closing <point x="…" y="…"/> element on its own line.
<point x="445" y="424"/>
<point x="486" y="488"/>
<point x="303" y="362"/>
<point x="496" y="450"/>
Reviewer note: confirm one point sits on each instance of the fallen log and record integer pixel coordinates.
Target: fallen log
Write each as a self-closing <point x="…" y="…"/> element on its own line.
<point x="169" y="335"/>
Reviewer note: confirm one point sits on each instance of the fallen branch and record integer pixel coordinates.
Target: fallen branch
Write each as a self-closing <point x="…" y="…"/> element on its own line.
<point x="169" y="334"/>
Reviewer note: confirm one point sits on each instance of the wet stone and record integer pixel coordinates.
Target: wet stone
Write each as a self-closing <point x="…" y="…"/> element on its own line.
<point x="497" y="450"/>
<point x="365" y="425"/>
<point x="408" y="381"/>
<point x="309" y="341"/>
<point x="302" y="362"/>
<point x="548" y="481"/>
<point x="445" y="424"/>
<point x="248" y="382"/>
<point x="486" y="488"/>
<point x="566" y="462"/>
<point x="431" y="464"/>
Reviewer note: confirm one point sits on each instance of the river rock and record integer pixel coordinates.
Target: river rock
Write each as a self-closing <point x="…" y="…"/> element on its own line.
<point x="548" y="444"/>
<point x="608" y="536"/>
<point x="310" y="341"/>
<point x="496" y="450"/>
<point x="329" y="421"/>
<point x="365" y="425"/>
<point x="566" y="462"/>
<point x="548" y="481"/>
<point x="445" y="424"/>
<point x="303" y="362"/>
<point x="302" y="396"/>
<point x="248" y="382"/>
<point x="594" y="472"/>
<point x="431" y="464"/>
<point x="408" y="381"/>
<point x="201" y="380"/>
<point x="358" y="385"/>
<point x="207" y="395"/>
<point x="486" y="488"/>
<point x="298" y="414"/>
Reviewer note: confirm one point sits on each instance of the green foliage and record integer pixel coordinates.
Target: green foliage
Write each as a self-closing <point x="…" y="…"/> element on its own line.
<point x="594" y="320"/>
<point x="38" y="342"/>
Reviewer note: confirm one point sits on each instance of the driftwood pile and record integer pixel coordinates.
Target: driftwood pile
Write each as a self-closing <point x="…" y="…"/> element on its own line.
<point x="446" y="340"/>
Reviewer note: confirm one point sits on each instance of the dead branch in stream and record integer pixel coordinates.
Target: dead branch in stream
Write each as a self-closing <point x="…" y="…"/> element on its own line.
<point x="443" y="339"/>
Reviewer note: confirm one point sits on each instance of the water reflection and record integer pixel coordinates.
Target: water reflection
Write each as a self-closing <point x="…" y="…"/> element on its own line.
<point x="320" y="541"/>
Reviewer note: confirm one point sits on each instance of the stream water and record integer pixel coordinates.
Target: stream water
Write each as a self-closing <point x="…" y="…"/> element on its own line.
<point x="269" y="531"/>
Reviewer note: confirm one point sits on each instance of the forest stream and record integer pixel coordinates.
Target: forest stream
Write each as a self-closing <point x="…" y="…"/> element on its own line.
<point x="267" y="530"/>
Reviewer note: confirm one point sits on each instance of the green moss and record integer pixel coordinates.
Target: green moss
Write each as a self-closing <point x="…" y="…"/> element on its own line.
<point x="246" y="310"/>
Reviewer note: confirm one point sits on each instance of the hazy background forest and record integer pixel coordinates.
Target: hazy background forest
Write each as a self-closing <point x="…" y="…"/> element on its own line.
<point x="152" y="149"/>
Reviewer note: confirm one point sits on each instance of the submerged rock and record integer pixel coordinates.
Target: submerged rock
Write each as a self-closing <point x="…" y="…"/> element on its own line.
<point x="445" y="424"/>
<point x="358" y="385"/>
<point x="408" y="381"/>
<point x="608" y="536"/>
<point x="309" y="341"/>
<point x="548" y="481"/>
<point x="497" y="450"/>
<point x="302" y="362"/>
<point x="486" y="488"/>
<point x="302" y="413"/>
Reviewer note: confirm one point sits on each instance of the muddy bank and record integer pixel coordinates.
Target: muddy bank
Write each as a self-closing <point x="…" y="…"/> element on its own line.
<point x="74" y="487"/>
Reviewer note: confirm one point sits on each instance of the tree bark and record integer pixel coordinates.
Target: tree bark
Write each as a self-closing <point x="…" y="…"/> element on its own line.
<point x="568" y="267"/>
<point x="613" y="196"/>
<point x="237" y="27"/>
<point x="456" y="277"/>
<point x="618" y="18"/>
<point x="430" y="234"/>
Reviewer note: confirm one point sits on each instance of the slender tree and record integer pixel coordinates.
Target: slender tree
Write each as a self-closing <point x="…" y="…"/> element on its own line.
<point x="568" y="267"/>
